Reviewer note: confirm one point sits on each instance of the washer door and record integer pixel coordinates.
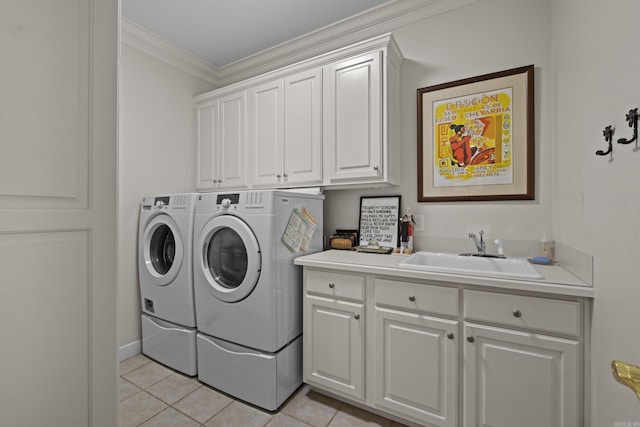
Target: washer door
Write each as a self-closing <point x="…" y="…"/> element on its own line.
<point x="163" y="249"/>
<point x="230" y="258"/>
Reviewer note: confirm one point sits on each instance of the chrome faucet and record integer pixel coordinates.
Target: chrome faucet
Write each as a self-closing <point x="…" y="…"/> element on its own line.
<point x="480" y="245"/>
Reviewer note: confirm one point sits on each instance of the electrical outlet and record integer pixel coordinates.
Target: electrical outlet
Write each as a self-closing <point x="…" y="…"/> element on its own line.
<point x="419" y="222"/>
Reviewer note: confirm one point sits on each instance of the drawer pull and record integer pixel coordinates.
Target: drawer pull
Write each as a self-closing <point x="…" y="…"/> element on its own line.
<point x="412" y="298"/>
<point x="450" y="335"/>
<point x="517" y="313"/>
<point x="470" y="338"/>
<point x="331" y="285"/>
<point x="356" y="316"/>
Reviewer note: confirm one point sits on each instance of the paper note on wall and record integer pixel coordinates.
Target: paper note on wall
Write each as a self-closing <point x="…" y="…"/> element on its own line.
<point x="299" y="230"/>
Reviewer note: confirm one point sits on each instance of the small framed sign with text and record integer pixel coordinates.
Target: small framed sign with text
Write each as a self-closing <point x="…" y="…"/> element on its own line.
<point x="379" y="218"/>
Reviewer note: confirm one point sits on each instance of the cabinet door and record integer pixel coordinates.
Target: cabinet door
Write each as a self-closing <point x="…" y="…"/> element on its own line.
<point x="231" y="154"/>
<point x="353" y="119"/>
<point x="303" y="132"/>
<point x="417" y="367"/>
<point x="333" y="345"/>
<point x="514" y="378"/>
<point x="267" y="134"/>
<point x="206" y="144"/>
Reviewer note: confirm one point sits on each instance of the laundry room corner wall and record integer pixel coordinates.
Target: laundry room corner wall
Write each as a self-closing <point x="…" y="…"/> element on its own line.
<point x="156" y="155"/>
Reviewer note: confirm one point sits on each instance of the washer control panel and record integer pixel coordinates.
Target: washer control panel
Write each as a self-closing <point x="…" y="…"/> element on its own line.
<point x="228" y="199"/>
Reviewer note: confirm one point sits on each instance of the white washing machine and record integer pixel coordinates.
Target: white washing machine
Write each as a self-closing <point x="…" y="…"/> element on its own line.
<point x="165" y="273"/>
<point x="248" y="291"/>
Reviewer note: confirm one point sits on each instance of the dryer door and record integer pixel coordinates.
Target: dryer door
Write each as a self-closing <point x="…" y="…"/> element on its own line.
<point x="163" y="249"/>
<point x="230" y="258"/>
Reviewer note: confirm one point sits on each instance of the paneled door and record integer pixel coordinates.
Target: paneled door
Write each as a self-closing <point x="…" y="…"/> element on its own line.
<point x="58" y="140"/>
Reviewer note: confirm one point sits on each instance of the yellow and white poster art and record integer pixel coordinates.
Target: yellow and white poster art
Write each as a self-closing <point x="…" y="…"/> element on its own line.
<point x="473" y="139"/>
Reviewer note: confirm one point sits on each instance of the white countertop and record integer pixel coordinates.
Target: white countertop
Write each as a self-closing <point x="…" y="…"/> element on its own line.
<point x="557" y="280"/>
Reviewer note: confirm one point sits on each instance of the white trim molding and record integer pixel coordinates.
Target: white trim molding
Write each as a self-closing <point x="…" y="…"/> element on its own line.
<point x="150" y="43"/>
<point x="129" y="350"/>
<point x="382" y="19"/>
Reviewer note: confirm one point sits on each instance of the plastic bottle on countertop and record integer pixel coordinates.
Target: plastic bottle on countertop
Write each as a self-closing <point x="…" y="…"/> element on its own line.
<point x="546" y="247"/>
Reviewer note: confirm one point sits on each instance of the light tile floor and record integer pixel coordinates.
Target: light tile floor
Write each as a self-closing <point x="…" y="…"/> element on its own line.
<point x="152" y="395"/>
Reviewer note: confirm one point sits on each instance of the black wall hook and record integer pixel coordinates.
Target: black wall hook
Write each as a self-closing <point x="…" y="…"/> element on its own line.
<point x="632" y="119"/>
<point x="608" y="136"/>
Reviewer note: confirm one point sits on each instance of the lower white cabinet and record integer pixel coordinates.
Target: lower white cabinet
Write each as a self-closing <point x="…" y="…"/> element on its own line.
<point x="519" y="378"/>
<point x="446" y="354"/>
<point x="523" y="361"/>
<point x="333" y="333"/>
<point x="416" y="373"/>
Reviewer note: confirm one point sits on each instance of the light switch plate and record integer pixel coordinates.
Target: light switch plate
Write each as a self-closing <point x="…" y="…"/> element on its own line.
<point x="419" y="222"/>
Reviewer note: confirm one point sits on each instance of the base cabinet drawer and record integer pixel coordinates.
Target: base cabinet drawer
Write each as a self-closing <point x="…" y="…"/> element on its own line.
<point x="418" y="297"/>
<point x="543" y="314"/>
<point x="334" y="285"/>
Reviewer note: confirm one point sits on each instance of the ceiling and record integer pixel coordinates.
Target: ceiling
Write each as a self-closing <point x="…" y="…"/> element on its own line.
<point x="224" y="31"/>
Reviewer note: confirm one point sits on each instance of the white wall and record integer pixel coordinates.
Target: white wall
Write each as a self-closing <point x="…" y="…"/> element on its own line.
<point x="156" y="155"/>
<point x="596" y="63"/>
<point x="484" y="37"/>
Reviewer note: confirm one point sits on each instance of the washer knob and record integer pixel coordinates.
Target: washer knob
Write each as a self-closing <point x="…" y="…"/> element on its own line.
<point x="226" y="203"/>
<point x="159" y="204"/>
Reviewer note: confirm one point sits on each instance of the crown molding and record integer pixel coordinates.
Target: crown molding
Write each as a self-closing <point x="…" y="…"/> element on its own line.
<point x="150" y="43"/>
<point x="382" y="19"/>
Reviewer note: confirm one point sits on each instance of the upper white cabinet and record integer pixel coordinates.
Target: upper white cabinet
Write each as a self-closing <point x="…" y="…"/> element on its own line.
<point x="221" y="141"/>
<point x="331" y="120"/>
<point x="285" y="119"/>
<point x="360" y="121"/>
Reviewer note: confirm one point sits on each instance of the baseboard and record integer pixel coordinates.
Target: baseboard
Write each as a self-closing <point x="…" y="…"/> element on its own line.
<point x="129" y="350"/>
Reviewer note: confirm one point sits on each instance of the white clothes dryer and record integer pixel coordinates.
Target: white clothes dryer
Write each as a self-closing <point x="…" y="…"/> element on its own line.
<point x="248" y="292"/>
<point x="165" y="270"/>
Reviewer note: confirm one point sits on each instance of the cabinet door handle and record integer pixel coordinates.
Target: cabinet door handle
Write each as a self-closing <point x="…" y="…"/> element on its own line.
<point x="450" y="335"/>
<point x="285" y="175"/>
<point x="331" y="285"/>
<point x="412" y="298"/>
<point x="278" y="176"/>
<point x="470" y="338"/>
<point x="375" y="168"/>
<point x="517" y="313"/>
<point x="356" y="316"/>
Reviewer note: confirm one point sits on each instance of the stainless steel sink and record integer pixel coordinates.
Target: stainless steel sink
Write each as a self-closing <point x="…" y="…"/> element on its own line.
<point x="512" y="268"/>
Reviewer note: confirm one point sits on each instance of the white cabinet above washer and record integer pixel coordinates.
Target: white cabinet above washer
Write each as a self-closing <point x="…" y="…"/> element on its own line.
<point x="221" y="141"/>
<point x="331" y="120"/>
<point x="285" y="120"/>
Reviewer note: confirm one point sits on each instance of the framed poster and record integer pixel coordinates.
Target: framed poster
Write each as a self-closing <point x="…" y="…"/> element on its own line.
<point x="476" y="138"/>
<point x="379" y="220"/>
